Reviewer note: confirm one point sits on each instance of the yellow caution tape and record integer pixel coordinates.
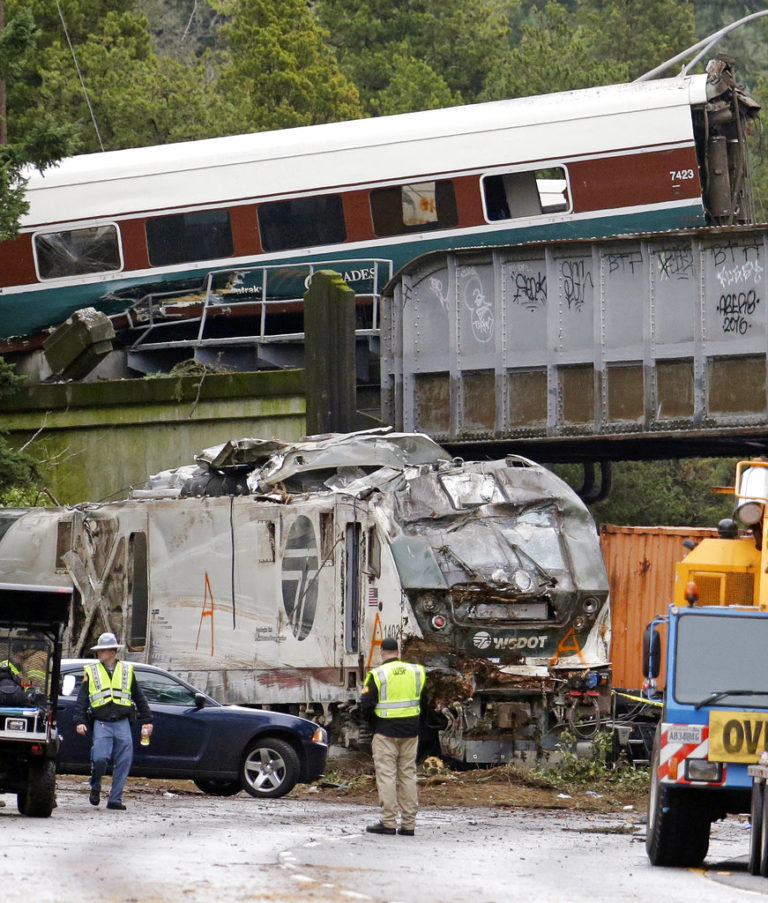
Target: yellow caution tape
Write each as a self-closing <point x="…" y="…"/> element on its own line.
<point x="638" y="698"/>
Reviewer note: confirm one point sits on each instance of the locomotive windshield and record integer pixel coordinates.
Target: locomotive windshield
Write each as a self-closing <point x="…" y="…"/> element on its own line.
<point x="522" y="551"/>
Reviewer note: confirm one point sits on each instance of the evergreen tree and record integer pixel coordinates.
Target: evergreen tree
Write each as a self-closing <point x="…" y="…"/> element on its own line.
<point x="41" y="141"/>
<point x="600" y="42"/>
<point x="418" y="54"/>
<point x="278" y="70"/>
<point x="666" y="493"/>
<point x="18" y="471"/>
<point x="136" y="97"/>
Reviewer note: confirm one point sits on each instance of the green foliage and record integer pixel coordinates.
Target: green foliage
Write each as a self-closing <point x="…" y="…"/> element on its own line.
<point x="599" y="42"/>
<point x="40" y="142"/>
<point x="670" y="493"/>
<point x="572" y="771"/>
<point x="137" y="98"/>
<point x="420" y="54"/>
<point x="278" y="70"/>
<point x="552" y="55"/>
<point x="181" y="29"/>
<point x="747" y="45"/>
<point x="639" y="33"/>
<point x="18" y="471"/>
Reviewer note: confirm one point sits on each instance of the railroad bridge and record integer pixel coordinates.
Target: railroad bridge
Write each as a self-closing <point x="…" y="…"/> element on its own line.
<point x="646" y="346"/>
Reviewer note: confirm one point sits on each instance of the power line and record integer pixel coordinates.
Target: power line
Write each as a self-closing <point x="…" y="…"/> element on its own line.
<point x="79" y="74"/>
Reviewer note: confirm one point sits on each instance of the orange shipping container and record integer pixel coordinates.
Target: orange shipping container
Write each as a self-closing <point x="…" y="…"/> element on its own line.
<point x="641" y="571"/>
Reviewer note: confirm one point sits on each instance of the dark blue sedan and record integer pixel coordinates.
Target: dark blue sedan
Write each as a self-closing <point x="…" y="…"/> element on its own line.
<point x="222" y="748"/>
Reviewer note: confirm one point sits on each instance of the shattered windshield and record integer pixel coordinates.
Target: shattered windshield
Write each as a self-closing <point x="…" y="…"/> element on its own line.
<point x="536" y="533"/>
<point x="496" y="549"/>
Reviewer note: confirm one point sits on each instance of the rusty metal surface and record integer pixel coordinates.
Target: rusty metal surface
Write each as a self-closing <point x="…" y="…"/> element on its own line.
<point x="641" y="572"/>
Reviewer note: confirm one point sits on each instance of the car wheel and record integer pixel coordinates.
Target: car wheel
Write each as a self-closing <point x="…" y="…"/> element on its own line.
<point x="270" y="768"/>
<point x="218" y="788"/>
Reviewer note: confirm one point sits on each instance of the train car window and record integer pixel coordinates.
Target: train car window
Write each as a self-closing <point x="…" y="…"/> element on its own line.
<point x="419" y="207"/>
<point x="138" y="588"/>
<point x="186" y="237"/>
<point x="77" y="252"/>
<point x="302" y="223"/>
<point x="532" y="193"/>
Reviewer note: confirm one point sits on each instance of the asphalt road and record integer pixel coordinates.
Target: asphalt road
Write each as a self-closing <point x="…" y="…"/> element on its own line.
<point x="193" y="848"/>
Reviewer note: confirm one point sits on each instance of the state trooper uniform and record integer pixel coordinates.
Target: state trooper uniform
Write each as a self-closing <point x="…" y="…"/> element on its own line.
<point x="107" y="699"/>
<point x="392" y="697"/>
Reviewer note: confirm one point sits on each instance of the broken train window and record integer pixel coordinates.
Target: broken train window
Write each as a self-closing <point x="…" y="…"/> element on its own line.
<point x="532" y="192"/>
<point x="400" y="209"/>
<point x="77" y="252"/>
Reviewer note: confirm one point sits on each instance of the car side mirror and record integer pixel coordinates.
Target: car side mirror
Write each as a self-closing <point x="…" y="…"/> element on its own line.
<point x="200" y="700"/>
<point x="651" y="652"/>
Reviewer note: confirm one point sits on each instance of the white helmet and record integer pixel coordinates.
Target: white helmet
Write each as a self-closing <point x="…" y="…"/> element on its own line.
<point x="107" y="641"/>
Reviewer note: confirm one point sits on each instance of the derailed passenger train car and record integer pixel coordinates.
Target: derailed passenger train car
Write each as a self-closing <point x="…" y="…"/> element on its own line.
<point x="269" y="574"/>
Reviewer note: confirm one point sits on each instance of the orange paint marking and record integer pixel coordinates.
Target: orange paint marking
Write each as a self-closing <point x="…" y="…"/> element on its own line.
<point x="378" y="636"/>
<point x="206" y="612"/>
<point x="569" y="643"/>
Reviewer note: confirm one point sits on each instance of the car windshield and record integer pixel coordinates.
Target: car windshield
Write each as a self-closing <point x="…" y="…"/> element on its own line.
<point x="164" y="689"/>
<point x="721" y="654"/>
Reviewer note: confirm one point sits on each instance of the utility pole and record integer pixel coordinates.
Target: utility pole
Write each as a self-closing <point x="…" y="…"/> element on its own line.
<point x="3" y="126"/>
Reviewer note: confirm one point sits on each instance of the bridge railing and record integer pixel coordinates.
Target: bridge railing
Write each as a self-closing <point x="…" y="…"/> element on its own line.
<point x="260" y="305"/>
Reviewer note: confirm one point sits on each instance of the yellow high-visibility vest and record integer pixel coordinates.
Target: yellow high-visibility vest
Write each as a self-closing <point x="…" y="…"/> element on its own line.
<point x="102" y="690"/>
<point x="399" y="685"/>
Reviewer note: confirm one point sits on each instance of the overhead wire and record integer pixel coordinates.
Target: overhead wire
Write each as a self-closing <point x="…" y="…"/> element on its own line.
<point x="79" y="73"/>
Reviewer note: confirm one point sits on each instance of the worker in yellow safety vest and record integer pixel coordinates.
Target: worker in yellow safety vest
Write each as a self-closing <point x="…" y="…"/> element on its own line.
<point x="11" y="686"/>
<point x="107" y="699"/>
<point x="391" y="699"/>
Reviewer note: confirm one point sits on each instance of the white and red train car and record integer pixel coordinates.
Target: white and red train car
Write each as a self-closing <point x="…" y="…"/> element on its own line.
<point x="105" y="229"/>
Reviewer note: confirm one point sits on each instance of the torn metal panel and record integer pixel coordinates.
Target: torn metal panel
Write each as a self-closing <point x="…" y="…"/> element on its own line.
<point x="269" y="573"/>
<point x="370" y="448"/>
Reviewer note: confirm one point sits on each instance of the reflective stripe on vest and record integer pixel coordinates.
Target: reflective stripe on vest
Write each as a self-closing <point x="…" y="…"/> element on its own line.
<point x="399" y="685"/>
<point x="11" y="667"/>
<point x="103" y="690"/>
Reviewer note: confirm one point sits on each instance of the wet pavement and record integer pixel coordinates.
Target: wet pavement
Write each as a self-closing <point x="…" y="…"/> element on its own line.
<point x="190" y="847"/>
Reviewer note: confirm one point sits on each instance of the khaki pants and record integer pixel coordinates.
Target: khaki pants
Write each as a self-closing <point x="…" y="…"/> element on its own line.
<point x="395" y="761"/>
